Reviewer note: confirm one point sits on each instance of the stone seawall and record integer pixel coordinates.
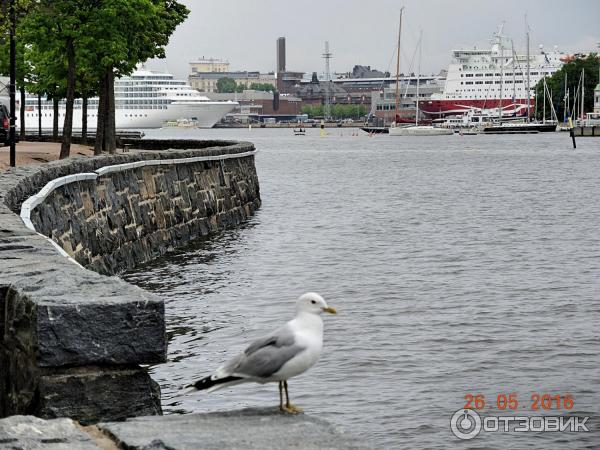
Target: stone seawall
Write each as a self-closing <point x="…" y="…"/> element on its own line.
<point x="72" y="340"/>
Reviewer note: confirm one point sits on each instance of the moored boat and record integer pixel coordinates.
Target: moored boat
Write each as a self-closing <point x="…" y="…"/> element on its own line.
<point x="376" y="130"/>
<point x="420" y="130"/>
<point x="520" y="128"/>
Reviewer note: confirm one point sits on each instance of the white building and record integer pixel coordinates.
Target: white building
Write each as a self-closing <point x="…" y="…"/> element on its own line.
<point x="203" y="65"/>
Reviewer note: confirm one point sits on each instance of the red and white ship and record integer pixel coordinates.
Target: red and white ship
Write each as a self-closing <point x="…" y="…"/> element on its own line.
<point x="484" y="81"/>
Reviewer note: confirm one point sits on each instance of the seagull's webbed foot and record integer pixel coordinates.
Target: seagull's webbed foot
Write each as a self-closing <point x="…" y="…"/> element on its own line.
<point x="290" y="409"/>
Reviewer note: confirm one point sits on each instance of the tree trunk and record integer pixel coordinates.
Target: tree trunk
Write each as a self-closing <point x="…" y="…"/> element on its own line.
<point x="22" y="115"/>
<point x="101" y="122"/>
<point x="55" y="101"/>
<point x="40" y="116"/>
<point x="65" y="148"/>
<point x="110" y="133"/>
<point x="84" y="109"/>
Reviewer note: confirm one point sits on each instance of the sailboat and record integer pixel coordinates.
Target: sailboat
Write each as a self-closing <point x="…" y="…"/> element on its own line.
<point x="529" y="126"/>
<point x="414" y="130"/>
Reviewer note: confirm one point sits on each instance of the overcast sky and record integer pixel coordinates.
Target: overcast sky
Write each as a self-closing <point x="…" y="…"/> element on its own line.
<point x="365" y="31"/>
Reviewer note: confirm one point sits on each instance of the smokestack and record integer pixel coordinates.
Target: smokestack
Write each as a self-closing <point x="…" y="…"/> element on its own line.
<point x="281" y="54"/>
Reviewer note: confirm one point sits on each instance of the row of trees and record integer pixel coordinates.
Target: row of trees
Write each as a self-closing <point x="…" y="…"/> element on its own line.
<point x="556" y="87"/>
<point x="68" y="49"/>
<point x="337" y="111"/>
<point x="229" y="85"/>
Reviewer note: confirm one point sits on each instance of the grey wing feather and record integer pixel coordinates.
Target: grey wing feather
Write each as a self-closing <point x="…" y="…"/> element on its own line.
<point x="281" y="337"/>
<point x="265" y="356"/>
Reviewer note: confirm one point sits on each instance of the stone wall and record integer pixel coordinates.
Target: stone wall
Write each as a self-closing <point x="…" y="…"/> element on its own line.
<point x="71" y="339"/>
<point x="123" y="218"/>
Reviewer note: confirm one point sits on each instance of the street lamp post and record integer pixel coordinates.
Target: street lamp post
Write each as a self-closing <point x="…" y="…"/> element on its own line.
<point x="13" y="81"/>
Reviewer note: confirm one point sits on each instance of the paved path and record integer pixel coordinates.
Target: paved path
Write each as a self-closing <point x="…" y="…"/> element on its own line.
<point x="39" y="152"/>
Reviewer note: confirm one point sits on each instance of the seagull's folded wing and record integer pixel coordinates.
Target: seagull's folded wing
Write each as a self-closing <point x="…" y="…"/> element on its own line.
<point x="264" y="357"/>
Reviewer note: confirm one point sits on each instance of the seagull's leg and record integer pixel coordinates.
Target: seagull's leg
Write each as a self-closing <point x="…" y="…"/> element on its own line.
<point x="288" y="406"/>
<point x="281" y="396"/>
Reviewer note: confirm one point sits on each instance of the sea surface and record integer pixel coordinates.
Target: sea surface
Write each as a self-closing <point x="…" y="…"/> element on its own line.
<point x="459" y="265"/>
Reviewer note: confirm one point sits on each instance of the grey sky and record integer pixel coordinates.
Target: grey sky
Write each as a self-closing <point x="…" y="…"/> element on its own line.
<point x="365" y="31"/>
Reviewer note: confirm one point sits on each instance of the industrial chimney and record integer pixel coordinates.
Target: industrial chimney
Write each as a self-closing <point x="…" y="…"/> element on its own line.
<point x="281" y="54"/>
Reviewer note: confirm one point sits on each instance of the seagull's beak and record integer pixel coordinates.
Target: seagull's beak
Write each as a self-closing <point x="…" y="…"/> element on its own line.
<point x="329" y="310"/>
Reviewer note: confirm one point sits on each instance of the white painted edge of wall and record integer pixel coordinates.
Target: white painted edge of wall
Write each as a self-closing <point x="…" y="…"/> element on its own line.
<point x="32" y="202"/>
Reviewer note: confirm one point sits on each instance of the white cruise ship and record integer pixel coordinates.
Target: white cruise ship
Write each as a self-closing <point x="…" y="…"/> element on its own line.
<point x="484" y="80"/>
<point x="145" y="99"/>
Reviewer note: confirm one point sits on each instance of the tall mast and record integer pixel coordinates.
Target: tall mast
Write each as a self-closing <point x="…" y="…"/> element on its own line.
<point x="500" y="61"/>
<point x="397" y="108"/>
<point x="419" y="77"/>
<point x="501" y="78"/>
<point x="544" y="95"/>
<point x="582" y="91"/>
<point x="327" y="56"/>
<point x="528" y="73"/>
<point x="514" y="56"/>
<point x="565" y="95"/>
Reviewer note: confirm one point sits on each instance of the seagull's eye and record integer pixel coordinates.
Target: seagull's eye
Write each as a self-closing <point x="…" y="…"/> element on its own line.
<point x="313" y="302"/>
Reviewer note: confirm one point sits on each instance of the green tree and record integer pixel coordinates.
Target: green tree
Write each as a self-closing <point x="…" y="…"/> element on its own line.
<point x="226" y="85"/>
<point x="338" y="111"/>
<point x="122" y="34"/>
<point x="556" y="86"/>
<point x="56" y="25"/>
<point x="312" y="110"/>
<point x="265" y="87"/>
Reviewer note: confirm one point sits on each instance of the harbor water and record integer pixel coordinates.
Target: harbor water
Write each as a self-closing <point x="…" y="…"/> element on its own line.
<point x="460" y="266"/>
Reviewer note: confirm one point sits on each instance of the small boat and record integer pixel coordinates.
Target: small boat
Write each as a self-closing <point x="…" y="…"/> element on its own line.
<point x="468" y="131"/>
<point x="180" y="123"/>
<point x="520" y="128"/>
<point x="420" y="130"/>
<point x="299" y="131"/>
<point x="375" y="130"/>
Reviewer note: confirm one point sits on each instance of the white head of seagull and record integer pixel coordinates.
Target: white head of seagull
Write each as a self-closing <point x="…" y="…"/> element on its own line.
<point x="285" y="353"/>
<point x="312" y="303"/>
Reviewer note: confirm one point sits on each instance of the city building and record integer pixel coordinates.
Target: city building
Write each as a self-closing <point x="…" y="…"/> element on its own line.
<point x="254" y="106"/>
<point x="377" y="94"/>
<point x="203" y="65"/>
<point x="597" y="98"/>
<point x="207" y="81"/>
<point x="288" y="82"/>
<point x="315" y="92"/>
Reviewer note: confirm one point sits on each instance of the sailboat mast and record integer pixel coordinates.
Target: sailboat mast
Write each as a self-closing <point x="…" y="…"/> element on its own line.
<point x="528" y="74"/>
<point x="514" y="80"/>
<point x="419" y="77"/>
<point x="544" y="93"/>
<point x="565" y="95"/>
<point x="582" y="91"/>
<point x="501" y="75"/>
<point x="397" y="108"/>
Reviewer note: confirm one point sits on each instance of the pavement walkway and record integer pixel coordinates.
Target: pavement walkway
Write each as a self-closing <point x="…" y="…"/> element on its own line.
<point x="39" y="152"/>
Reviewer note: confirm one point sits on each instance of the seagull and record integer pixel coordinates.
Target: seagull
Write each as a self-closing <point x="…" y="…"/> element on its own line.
<point x="289" y="351"/>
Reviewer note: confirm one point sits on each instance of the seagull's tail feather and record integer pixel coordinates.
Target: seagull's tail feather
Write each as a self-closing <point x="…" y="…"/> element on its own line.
<point x="209" y="384"/>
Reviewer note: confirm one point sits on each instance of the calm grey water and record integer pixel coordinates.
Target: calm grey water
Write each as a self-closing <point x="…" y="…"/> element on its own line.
<point x="459" y="265"/>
